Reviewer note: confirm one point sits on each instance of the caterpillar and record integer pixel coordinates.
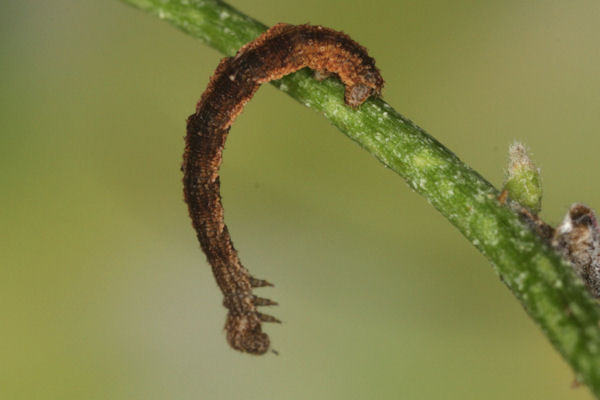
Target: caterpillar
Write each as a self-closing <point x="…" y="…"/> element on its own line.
<point x="279" y="51"/>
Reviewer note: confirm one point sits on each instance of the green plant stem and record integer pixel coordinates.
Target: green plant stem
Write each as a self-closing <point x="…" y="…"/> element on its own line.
<point x="544" y="284"/>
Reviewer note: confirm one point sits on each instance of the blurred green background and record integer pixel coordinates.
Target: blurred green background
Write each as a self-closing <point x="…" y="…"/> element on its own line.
<point x="104" y="292"/>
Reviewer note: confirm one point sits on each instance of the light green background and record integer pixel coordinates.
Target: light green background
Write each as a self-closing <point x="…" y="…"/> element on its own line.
<point x="104" y="292"/>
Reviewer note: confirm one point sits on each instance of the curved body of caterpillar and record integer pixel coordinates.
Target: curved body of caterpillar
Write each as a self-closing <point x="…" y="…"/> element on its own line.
<point x="281" y="50"/>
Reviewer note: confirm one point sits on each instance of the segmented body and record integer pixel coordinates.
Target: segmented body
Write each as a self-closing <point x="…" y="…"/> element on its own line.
<point x="281" y="50"/>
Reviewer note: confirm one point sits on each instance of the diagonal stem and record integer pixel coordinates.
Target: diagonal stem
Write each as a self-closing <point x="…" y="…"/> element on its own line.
<point x="545" y="285"/>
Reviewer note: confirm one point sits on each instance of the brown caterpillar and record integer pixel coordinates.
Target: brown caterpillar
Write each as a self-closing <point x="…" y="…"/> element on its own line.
<point x="281" y="50"/>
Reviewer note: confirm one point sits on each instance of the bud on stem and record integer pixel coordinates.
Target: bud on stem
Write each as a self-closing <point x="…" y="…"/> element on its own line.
<point x="523" y="180"/>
